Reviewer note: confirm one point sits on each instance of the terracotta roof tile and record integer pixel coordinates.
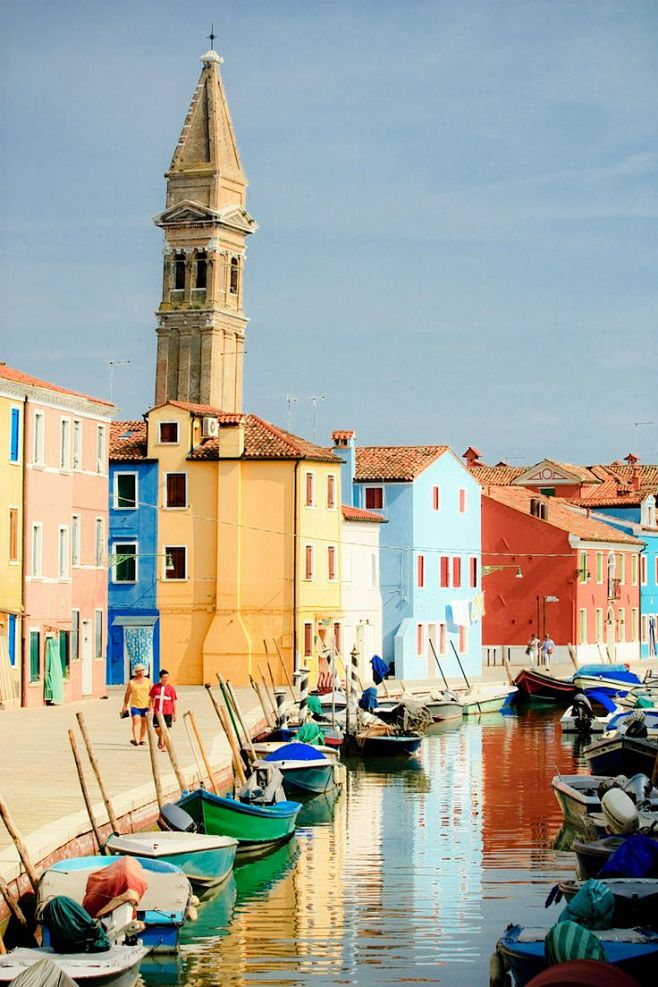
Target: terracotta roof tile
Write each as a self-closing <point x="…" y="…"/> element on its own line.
<point x="263" y="440"/>
<point x="127" y="441"/>
<point x="500" y="475"/>
<point x="9" y="373"/>
<point x="394" y="463"/>
<point x="357" y="514"/>
<point x="560" y="514"/>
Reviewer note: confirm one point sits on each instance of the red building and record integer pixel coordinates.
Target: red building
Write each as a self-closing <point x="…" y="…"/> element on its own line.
<point x="548" y="566"/>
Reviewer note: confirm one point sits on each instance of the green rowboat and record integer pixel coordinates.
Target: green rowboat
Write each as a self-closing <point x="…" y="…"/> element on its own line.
<point x="257" y="828"/>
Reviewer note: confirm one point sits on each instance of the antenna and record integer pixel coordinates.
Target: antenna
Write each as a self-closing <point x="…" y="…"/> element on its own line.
<point x="212" y="36"/>
<point x="296" y="398"/>
<point x="112" y="364"/>
<point x="638" y="425"/>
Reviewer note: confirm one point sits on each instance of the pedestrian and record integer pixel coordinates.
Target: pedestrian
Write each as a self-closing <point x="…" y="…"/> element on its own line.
<point x="163" y="700"/>
<point x="533" y="649"/>
<point x="136" y="700"/>
<point x="547" y="648"/>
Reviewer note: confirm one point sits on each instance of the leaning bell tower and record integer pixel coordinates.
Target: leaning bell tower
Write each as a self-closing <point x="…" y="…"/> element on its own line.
<point x="201" y="319"/>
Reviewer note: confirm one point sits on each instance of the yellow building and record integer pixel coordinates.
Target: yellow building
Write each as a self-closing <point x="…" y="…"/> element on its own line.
<point x="249" y="528"/>
<point x="11" y="539"/>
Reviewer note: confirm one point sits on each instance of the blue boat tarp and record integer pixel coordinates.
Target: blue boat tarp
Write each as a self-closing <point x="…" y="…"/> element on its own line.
<point x="604" y="670"/>
<point x="295" y="752"/>
<point x="598" y="696"/>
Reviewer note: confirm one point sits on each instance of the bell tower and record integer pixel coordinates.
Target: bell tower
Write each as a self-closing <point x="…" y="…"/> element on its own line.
<point x="201" y="320"/>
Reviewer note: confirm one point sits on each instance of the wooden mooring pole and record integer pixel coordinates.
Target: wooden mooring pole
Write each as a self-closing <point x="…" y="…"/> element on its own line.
<point x="114" y="822"/>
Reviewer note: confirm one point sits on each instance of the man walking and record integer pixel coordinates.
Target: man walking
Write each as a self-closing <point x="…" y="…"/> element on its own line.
<point x="547" y="648"/>
<point x="163" y="700"/>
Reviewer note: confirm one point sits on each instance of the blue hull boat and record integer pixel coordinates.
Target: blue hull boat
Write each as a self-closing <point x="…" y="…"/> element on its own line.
<point x="304" y="768"/>
<point x="632" y="950"/>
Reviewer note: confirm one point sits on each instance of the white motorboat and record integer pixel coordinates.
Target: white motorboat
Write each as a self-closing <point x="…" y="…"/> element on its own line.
<point x="117" y="967"/>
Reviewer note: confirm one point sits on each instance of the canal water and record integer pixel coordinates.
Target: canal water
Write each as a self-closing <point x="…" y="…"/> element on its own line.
<point x="408" y="876"/>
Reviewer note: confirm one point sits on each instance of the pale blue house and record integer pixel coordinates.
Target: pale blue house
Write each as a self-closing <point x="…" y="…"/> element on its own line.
<point x="133" y="624"/>
<point x="429" y="571"/>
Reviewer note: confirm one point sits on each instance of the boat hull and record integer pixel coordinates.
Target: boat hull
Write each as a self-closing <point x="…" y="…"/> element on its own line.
<point x="256" y="828"/>
<point x="636" y="900"/>
<point x="203" y="868"/>
<point x="117" y="968"/>
<point x="307" y="780"/>
<point x="384" y="746"/>
<point x="609" y="685"/>
<point x="621" y="756"/>
<point x="538" y="688"/>
<point x="488" y="704"/>
<point x="441" y="711"/>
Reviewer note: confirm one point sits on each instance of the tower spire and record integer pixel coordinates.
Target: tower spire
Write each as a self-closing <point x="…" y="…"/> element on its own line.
<point x="201" y="321"/>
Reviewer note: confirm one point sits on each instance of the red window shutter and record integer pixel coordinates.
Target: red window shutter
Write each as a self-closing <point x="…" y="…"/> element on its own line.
<point x="421" y="570"/>
<point x="445" y="571"/>
<point x="462" y="500"/>
<point x="308" y="640"/>
<point x="435" y="498"/>
<point x="462" y="640"/>
<point x="374" y="498"/>
<point x="456" y="571"/>
<point x="420" y="639"/>
<point x="474" y="572"/>
<point x="442" y="639"/>
<point x="309" y="489"/>
<point x="308" y="566"/>
<point x="331" y="561"/>
<point x="331" y="491"/>
<point x="176" y="490"/>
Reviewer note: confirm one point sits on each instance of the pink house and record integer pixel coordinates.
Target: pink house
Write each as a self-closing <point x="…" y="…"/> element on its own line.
<point x="65" y="523"/>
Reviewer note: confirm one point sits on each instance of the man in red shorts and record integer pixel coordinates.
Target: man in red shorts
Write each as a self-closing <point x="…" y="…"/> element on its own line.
<point x="163" y="700"/>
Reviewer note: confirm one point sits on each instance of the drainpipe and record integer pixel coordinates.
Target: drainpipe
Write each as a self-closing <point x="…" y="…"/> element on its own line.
<point x="294" y="568"/>
<point x="24" y="675"/>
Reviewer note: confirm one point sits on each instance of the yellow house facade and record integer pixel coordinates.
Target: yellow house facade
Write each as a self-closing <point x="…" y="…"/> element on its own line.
<point x="11" y="541"/>
<point x="249" y="527"/>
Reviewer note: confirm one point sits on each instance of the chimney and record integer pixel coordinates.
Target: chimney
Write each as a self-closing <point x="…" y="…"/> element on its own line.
<point x="345" y="447"/>
<point x="230" y="440"/>
<point x="472" y="456"/>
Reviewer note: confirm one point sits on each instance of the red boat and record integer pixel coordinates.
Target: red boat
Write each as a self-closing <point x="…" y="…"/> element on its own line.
<point x="538" y="687"/>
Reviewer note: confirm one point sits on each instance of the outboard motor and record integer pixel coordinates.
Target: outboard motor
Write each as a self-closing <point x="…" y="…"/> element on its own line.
<point x="636" y="725"/>
<point x="172" y="817"/>
<point x="264" y="785"/>
<point x="639" y="789"/>
<point x="583" y="713"/>
<point x="606" y="785"/>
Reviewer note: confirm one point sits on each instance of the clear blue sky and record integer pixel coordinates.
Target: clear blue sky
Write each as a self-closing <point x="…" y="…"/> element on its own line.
<point x="457" y="204"/>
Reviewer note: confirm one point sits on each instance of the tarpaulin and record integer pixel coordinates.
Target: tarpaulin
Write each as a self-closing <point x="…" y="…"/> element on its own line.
<point x="107" y="888"/>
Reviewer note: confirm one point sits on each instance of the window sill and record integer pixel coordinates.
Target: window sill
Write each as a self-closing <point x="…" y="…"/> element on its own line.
<point x="183" y="579"/>
<point x="181" y="507"/>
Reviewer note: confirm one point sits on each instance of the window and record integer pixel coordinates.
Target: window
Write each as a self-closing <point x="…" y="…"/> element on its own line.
<point x="13" y="534"/>
<point x="331" y="562"/>
<point x="462" y="500"/>
<point x="98" y="633"/>
<point x="35" y="655"/>
<point x="337" y="636"/>
<point x="374" y="498"/>
<point x="308" y="562"/>
<point x="621" y="567"/>
<point x="201" y="270"/>
<point x="100" y="449"/>
<point x="463" y="640"/>
<point x="179" y="272"/>
<point x="125" y="491"/>
<point x="15" y="435"/>
<point x="643" y="570"/>
<point x="622" y="624"/>
<point x="309" y="487"/>
<point x="124" y="562"/>
<point x="644" y="629"/>
<point x="444" y="572"/>
<point x="598" y="624"/>
<point x="582" y="627"/>
<point x="39" y="435"/>
<point x="37" y="548"/>
<point x="75" y="635"/>
<point x="308" y="640"/>
<point x="175" y="562"/>
<point x="420" y="639"/>
<point x="599" y="567"/>
<point x="473" y="573"/>
<point x="75" y="540"/>
<point x="63" y="552"/>
<point x="420" y="571"/>
<point x="635" y="621"/>
<point x="168" y="433"/>
<point x="233" y="283"/>
<point x="65" y="444"/>
<point x="11" y="638"/>
<point x="456" y="572"/>
<point x="547" y="491"/>
<point x="442" y="639"/>
<point x="99" y="541"/>
<point x="65" y="653"/>
<point x="436" y="499"/>
<point x="176" y="490"/>
<point x="634" y="570"/>
<point x="582" y="569"/>
<point x="331" y="491"/>
<point x="77" y="444"/>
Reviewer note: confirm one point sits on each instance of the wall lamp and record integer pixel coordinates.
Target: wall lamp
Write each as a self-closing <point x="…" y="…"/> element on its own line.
<point x="488" y="569"/>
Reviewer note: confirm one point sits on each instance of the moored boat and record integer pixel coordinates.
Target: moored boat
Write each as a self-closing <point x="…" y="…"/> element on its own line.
<point x="257" y="828"/>
<point x="540" y="688"/>
<point x="205" y="860"/>
<point x="636" y="899"/>
<point x="487" y="699"/>
<point x="621" y="755"/>
<point x="368" y="743"/>
<point x="116" y="967"/>
<point x="304" y="768"/>
<point x="612" y="683"/>
<point x="578" y="797"/>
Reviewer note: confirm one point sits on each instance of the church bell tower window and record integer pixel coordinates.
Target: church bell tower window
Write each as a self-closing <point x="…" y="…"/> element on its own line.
<point x="233" y="284"/>
<point x="201" y="270"/>
<point x="179" y="272"/>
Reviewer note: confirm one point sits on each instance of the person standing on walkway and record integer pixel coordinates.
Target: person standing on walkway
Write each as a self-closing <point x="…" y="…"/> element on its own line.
<point x="532" y="650"/>
<point x="136" y="701"/>
<point x="163" y="700"/>
<point x="547" y="649"/>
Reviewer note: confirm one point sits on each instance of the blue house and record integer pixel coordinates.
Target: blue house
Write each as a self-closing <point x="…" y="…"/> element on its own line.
<point x="133" y="625"/>
<point x="430" y="551"/>
<point x="639" y="520"/>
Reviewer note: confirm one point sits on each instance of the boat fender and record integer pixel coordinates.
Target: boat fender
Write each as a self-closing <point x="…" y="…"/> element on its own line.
<point x="620" y="812"/>
<point x="172" y="817"/>
<point x="191" y="915"/>
<point x="195" y="901"/>
<point x="498" y="975"/>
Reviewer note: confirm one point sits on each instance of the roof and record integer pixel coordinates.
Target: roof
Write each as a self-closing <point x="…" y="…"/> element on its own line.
<point x="357" y="514"/>
<point x="621" y="485"/>
<point x="499" y="475"/>
<point x="263" y="440"/>
<point x="127" y="441"/>
<point x="9" y="373"/>
<point x="226" y="417"/>
<point x="560" y="515"/>
<point x="394" y="463"/>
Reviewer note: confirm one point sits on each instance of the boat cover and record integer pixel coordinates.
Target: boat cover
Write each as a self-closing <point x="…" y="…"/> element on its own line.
<point x="310" y="733"/>
<point x="107" y="888"/>
<point x="593" y="906"/>
<point x="603" y="669"/>
<point x="295" y="752"/>
<point x="571" y="941"/>
<point x="45" y="973"/>
<point x="314" y="705"/>
<point x="369" y="700"/>
<point x="636" y="857"/>
<point x="602" y="698"/>
<point x="72" y="929"/>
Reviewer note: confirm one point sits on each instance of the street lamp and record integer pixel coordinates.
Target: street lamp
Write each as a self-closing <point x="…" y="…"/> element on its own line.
<point x="488" y="569"/>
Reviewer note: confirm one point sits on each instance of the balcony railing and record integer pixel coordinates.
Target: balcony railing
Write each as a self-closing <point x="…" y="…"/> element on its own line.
<point x="614" y="589"/>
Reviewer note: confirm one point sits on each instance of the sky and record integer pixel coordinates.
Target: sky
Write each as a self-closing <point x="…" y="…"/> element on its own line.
<point x="457" y="206"/>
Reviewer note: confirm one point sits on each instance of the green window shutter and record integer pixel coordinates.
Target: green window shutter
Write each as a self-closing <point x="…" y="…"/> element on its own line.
<point x="64" y="652"/>
<point x="35" y="649"/>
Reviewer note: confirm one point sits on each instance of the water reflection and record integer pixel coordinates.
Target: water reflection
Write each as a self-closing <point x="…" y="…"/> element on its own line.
<point x="411" y="874"/>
